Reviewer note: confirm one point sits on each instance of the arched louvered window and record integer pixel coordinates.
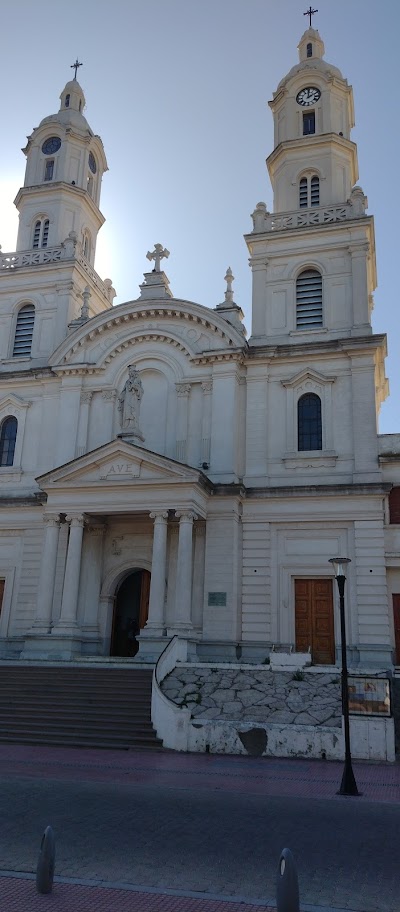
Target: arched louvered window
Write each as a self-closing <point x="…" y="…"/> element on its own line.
<point x="309" y="425"/>
<point x="309" y="299"/>
<point x="24" y="331"/>
<point x="86" y="245"/>
<point x="309" y="49"/>
<point x="308" y="192"/>
<point x="67" y="98"/>
<point x="314" y="190"/>
<point x="41" y="233"/>
<point x="8" y="436"/>
<point x="303" y="193"/>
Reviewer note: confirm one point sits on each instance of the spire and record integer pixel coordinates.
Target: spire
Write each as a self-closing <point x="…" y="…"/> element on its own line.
<point x="230" y="311"/>
<point x="72" y="97"/>
<point x="311" y="45"/>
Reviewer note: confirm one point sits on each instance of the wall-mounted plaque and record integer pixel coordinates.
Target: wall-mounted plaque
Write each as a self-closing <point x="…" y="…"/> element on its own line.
<point x="369" y="696"/>
<point x="217" y="599"/>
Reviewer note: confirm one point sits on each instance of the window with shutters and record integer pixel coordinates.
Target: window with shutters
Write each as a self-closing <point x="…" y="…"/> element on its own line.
<point x="309" y="423"/>
<point x="308" y="123"/>
<point x="309" y="49"/>
<point x="308" y="192"/>
<point x="8" y="436"/>
<point x="49" y="169"/>
<point x="41" y="233"/>
<point x="394" y="506"/>
<point x="309" y="300"/>
<point x="24" y="332"/>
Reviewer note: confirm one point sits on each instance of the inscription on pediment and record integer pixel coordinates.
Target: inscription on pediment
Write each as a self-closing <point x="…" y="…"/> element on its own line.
<point x="120" y="469"/>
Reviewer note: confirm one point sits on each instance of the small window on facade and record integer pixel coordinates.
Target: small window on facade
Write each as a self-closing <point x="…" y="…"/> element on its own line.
<point x="8" y="436"/>
<point x="67" y="98"/>
<point x="41" y="233"/>
<point x="394" y="505"/>
<point x="309" y="423"/>
<point x="309" y="49"/>
<point x="24" y="332"/>
<point x="303" y="193"/>
<point x="314" y="190"/>
<point x="309" y="299"/>
<point x="86" y="246"/>
<point x="2" y="587"/>
<point x="49" y="169"/>
<point x="308" y="123"/>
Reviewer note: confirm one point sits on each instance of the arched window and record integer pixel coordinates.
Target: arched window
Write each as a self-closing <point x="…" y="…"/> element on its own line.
<point x="308" y="192"/>
<point x="49" y="169"/>
<point x="309" y="49"/>
<point x="309" y="299"/>
<point x="67" y="98"/>
<point x="24" y="331"/>
<point x="309" y="425"/>
<point x="41" y="233"/>
<point x="8" y="436"/>
<point x="86" y="245"/>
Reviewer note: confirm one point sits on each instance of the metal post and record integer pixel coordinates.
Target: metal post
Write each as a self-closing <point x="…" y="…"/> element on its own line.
<point x="287" y="884"/>
<point x="348" y="784"/>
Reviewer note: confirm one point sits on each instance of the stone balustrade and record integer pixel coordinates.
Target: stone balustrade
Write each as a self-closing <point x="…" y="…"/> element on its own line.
<point x="265" y="221"/>
<point x="43" y="256"/>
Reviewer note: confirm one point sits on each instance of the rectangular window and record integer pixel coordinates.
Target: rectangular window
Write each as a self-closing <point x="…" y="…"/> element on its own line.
<point x="49" y="169"/>
<point x="308" y="122"/>
<point x="2" y="586"/>
<point x="394" y="505"/>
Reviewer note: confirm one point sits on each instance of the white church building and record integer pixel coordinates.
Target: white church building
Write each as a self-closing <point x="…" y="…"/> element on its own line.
<point x="161" y="471"/>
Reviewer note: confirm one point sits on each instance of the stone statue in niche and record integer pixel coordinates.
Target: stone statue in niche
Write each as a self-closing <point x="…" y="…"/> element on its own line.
<point x="129" y="405"/>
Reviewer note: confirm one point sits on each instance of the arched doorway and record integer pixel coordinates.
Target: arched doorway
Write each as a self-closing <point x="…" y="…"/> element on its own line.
<point x="130" y="613"/>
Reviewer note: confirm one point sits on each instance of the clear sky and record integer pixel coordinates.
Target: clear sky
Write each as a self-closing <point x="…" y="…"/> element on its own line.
<point x="178" y="91"/>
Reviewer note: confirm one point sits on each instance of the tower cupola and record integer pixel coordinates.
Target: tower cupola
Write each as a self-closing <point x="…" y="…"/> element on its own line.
<point x="64" y="169"/>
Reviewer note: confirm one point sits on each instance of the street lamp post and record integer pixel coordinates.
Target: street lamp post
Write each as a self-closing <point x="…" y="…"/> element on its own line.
<point x="348" y="785"/>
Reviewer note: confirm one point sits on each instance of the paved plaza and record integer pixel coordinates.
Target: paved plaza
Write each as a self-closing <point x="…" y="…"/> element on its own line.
<point x="167" y="832"/>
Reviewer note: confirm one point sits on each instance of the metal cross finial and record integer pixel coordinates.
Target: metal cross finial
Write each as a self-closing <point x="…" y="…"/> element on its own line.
<point x="310" y="12"/>
<point x="157" y="255"/>
<point x="74" y="66"/>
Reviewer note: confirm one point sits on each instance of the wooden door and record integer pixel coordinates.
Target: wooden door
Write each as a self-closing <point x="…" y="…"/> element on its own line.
<point x="314" y="619"/>
<point x="396" y="617"/>
<point x="144" y="598"/>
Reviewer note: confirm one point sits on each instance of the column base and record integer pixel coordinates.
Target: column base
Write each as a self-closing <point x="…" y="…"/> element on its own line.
<point x="150" y="647"/>
<point x="152" y="629"/>
<point x="50" y="646"/>
<point x="182" y="630"/>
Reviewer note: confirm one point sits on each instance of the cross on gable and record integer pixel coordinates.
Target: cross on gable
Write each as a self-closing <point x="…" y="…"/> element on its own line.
<point x="74" y="66"/>
<point x="158" y="254"/>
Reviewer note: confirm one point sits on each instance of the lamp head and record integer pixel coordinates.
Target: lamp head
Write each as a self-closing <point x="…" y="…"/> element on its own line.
<point x="339" y="565"/>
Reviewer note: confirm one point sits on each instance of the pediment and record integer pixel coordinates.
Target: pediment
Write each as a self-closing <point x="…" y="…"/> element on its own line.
<point x="308" y="376"/>
<point x="192" y="328"/>
<point x="118" y="463"/>
<point x="10" y="403"/>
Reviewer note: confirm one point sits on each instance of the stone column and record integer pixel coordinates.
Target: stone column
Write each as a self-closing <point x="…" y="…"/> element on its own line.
<point x="81" y="445"/>
<point x="183" y="391"/>
<point x="206" y="387"/>
<point x="47" y="576"/>
<point x="91" y="572"/>
<point x="109" y="397"/>
<point x="183" y="600"/>
<point x="69" y="604"/>
<point x="155" y="624"/>
<point x="198" y="575"/>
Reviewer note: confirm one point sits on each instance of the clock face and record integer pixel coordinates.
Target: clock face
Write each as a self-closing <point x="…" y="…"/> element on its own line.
<point x="51" y="145"/>
<point x="92" y="163"/>
<point x="308" y="96"/>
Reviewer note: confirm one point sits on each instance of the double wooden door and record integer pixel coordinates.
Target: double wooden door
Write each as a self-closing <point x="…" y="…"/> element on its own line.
<point x="314" y="619"/>
<point x="396" y="618"/>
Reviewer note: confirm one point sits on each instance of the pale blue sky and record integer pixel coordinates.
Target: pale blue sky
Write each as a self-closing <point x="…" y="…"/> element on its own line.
<point x="178" y="91"/>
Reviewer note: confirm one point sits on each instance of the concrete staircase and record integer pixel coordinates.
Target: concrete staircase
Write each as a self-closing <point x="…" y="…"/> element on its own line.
<point x="77" y="706"/>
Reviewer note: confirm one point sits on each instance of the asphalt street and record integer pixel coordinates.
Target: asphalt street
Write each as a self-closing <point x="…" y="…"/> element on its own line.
<point x="186" y="837"/>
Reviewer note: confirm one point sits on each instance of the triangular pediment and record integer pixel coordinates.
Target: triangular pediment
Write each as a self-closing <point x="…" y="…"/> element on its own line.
<point x="308" y="375"/>
<point x="118" y="462"/>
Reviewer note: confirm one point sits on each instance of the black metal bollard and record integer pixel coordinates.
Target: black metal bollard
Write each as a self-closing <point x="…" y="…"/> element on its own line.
<point x="287" y="884"/>
<point x="46" y="862"/>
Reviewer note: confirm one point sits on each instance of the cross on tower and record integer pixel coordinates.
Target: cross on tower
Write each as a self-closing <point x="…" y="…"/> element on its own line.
<point x="157" y="255"/>
<point x="310" y="12"/>
<point x="74" y="66"/>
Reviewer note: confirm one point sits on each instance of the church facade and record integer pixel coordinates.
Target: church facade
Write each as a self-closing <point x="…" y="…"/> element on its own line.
<point x="160" y="472"/>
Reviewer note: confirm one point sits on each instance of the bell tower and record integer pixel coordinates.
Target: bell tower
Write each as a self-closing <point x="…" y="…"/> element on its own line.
<point x="64" y="169"/>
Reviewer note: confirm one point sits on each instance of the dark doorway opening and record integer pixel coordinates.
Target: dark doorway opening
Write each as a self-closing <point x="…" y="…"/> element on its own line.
<point x="130" y="613"/>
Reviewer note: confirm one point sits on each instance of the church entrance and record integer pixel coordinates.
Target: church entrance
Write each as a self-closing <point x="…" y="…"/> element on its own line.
<point x="130" y="613"/>
<point x="314" y="619"/>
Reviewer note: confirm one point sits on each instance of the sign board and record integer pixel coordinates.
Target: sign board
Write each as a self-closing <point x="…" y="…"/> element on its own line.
<point x="369" y="696"/>
<point x="217" y="599"/>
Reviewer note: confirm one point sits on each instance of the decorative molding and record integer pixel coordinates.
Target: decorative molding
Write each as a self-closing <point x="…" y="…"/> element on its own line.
<point x="86" y="397"/>
<point x="207" y="386"/>
<point x="109" y="395"/>
<point x="186" y="516"/>
<point x="76" y="519"/>
<point x="183" y="389"/>
<point x="159" y="516"/>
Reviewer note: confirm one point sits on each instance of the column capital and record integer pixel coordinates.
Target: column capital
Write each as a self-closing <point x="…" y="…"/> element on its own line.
<point x="51" y="519"/>
<point x="186" y="516"/>
<point x="159" y="516"/>
<point x="207" y="386"/>
<point x="183" y="389"/>
<point x="76" y="519"/>
<point x="109" y="395"/>
<point x="96" y="528"/>
<point x="86" y="397"/>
